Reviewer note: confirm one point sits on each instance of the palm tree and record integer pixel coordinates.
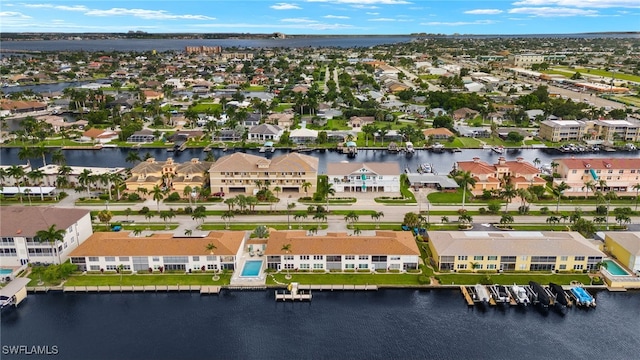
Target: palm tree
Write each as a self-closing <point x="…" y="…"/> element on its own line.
<point x="287" y="249"/>
<point x="319" y="217"/>
<point x="536" y="162"/>
<point x="554" y="166"/>
<point x="133" y="157"/>
<point x="300" y="217"/>
<point x="588" y="185"/>
<point x="351" y="217"/>
<point x="306" y="185"/>
<point x="17" y="173"/>
<point x="636" y="187"/>
<point x="464" y="179"/>
<point x="51" y="235"/>
<point x="57" y="157"/>
<point x="187" y="193"/>
<point x="40" y="151"/>
<point x="137" y="232"/>
<point x="84" y="179"/>
<point x="558" y="191"/>
<point x="444" y="219"/>
<point x="149" y="216"/>
<point x="376" y="217"/>
<point x="465" y="218"/>
<point x="36" y="176"/>
<point x="158" y="195"/>
<point x="226" y="217"/>
<point x="27" y="192"/>
<point x="508" y="193"/>
<point x="329" y="191"/>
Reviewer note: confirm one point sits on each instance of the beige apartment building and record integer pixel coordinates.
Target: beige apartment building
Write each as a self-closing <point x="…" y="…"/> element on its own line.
<point x="562" y="130"/>
<point x="610" y="130"/>
<point x="169" y="174"/>
<point x="619" y="174"/>
<point x="242" y="173"/>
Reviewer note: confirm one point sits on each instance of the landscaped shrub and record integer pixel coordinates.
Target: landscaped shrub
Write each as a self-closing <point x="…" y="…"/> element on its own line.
<point x="523" y="210"/>
<point x="103" y="197"/>
<point x="601" y="210"/>
<point x="133" y="197"/>
<point x="544" y="210"/>
<point x="494" y="207"/>
<point x="144" y="210"/>
<point x="174" y="196"/>
<point x="482" y="210"/>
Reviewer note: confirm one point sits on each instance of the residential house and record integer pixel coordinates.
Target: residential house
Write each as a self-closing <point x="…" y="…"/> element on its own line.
<point x="239" y="172"/>
<point x="227" y="135"/>
<point x="253" y="119"/>
<point x="562" y="130"/>
<point x="265" y="132"/>
<point x="303" y="136"/>
<point x="160" y="252"/>
<point x="464" y="113"/>
<point x="519" y="173"/>
<point x="474" y="131"/>
<point x="364" y="177"/>
<point x="513" y="251"/>
<point x="359" y="121"/>
<point x="386" y="250"/>
<point x="283" y="120"/>
<point x="20" y="225"/>
<point x="52" y="173"/>
<point x="618" y="174"/>
<point x="58" y="123"/>
<point x="442" y="183"/>
<point x="21" y="106"/>
<point x="142" y="136"/>
<point x="169" y="174"/>
<point x="101" y="136"/>
<point x="151" y="95"/>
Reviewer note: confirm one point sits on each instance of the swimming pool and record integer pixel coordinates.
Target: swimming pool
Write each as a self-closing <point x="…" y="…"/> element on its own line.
<point x="251" y="268"/>
<point x="4" y="272"/>
<point x="614" y="269"/>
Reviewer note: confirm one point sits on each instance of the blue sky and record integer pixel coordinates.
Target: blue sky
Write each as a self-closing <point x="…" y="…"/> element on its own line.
<point x="322" y="16"/>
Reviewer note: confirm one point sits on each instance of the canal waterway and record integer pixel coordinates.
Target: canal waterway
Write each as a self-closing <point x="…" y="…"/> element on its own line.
<point x="442" y="162"/>
<point x="384" y="324"/>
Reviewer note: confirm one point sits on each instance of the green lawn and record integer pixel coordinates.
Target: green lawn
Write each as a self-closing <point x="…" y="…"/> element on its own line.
<point x="464" y="142"/>
<point x="159" y="279"/>
<point x="306" y="225"/>
<point x="204" y="107"/>
<point x="448" y="197"/>
<point x="346" y="279"/>
<point x="282" y="107"/>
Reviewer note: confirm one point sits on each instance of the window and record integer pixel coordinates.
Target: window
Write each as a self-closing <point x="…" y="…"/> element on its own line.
<point x="124" y="258"/>
<point x="196" y="258"/>
<point x="461" y="266"/>
<point x="621" y="172"/>
<point x="363" y="266"/>
<point x="304" y="266"/>
<point x="462" y="258"/>
<point x="478" y="258"/>
<point x="349" y="257"/>
<point x="211" y="267"/>
<point x="288" y="266"/>
<point x="563" y="267"/>
<point x="94" y="268"/>
<point x="523" y="267"/>
<point x="112" y="267"/>
<point x="394" y="258"/>
<point x="155" y="258"/>
<point x="564" y="258"/>
<point x="349" y="266"/>
<point x="318" y="257"/>
<point x="523" y="258"/>
<point x="578" y="267"/>
<point x="304" y="257"/>
<point x="288" y="257"/>
<point x="318" y="266"/>
<point x="93" y="258"/>
<point x="334" y="258"/>
<point x="394" y="266"/>
<point x="491" y="267"/>
<point x="363" y="257"/>
<point x="211" y="258"/>
<point x="579" y="258"/>
<point x="492" y="258"/>
<point x="574" y="171"/>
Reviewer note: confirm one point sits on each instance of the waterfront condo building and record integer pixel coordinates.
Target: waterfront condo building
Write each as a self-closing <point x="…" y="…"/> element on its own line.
<point x="615" y="130"/>
<point x="386" y="250"/>
<point x="105" y="251"/>
<point x="364" y="177"/>
<point x="244" y="173"/>
<point x="562" y="130"/>
<point x="513" y="251"/>
<point x="169" y="174"/>
<point x="18" y="228"/>
<point x="602" y="174"/>
<point x="519" y="173"/>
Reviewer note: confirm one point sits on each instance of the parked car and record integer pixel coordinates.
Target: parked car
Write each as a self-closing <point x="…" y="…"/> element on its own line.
<point x="219" y="194"/>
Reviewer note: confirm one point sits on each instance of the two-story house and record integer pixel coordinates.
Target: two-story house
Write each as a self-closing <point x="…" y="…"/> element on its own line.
<point x="519" y="173"/>
<point x="364" y="177"/>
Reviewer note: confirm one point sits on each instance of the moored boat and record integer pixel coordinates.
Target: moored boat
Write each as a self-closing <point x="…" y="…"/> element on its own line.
<point x="540" y="293"/>
<point x="498" y="149"/>
<point x="583" y="298"/>
<point x="558" y="292"/>
<point x="520" y="294"/>
<point x="482" y="293"/>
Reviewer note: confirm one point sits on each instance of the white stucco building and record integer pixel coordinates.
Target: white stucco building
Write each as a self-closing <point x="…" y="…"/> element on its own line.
<point x="364" y="177"/>
<point x="19" y="225"/>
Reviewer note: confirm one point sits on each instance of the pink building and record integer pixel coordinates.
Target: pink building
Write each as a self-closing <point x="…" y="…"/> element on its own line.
<point x="491" y="177"/>
<point x="606" y="174"/>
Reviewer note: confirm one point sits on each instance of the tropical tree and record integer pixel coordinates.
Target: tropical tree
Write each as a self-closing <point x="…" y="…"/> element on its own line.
<point x="57" y="157"/>
<point x="226" y="217"/>
<point x="17" y="173"/>
<point x="319" y="217"/>
<point x="36" y="176"/>
<point x="376" y="217"/>
<point x="27" y="192"/>
<point x="51" y="235"/>
<point x="328" y="192"/>
<point x="187" y="193"/>
<point x="558" y="191"/>
<point x="506" y="219"/>
<point x="105" y="216"/>
<point x="157" y="195"/>
<point x="300" y="217"/>
<point x="636" y="187"/>
<point x="444" y="219"/>
<point x="411" y="219"/>
<point x="85" y="180"/>
<point x="231" y="203"/>
<point x="465" y="218"/>
<point x="508" y="193"/>
<point x="588" y="185"/>
<point x="623" y="218"/>
<point x="351" y="217"/>
<point x="536" y="162"/>
<point x="306" y="185"/>
<point x="554" y="166"/>
<point x="40" y="151"/>
<point x="133" y="157"/>
<point x="584" y="227"/>
<point x="137" y="232"/>
<point x="149" y="215"/>
<point x="464" y="179"/>
<point x="287" y="249"/>
<point x="290" y="206"/>
<point x="261" y="232"/>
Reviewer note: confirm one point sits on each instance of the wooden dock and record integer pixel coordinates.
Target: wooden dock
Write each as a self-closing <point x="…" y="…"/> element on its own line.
<point x="284" y="296"/>
<point x="210" y="290"/>
<point x="137" y="288"/>
<point x="467" y="296"/>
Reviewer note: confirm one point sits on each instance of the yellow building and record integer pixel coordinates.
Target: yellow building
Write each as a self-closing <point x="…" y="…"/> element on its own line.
<point x="625" y="247"/>
<point x="241" y="173"/>
<point x="513" y="251"/>
<point x="169" y="174"/>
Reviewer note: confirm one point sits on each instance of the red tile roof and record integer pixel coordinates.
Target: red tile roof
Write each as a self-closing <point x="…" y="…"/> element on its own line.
<point x="590" y="163"/>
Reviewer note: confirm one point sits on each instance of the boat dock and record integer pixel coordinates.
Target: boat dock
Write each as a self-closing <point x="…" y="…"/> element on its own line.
<point x="14" y="292"/>
<point x="293" y="293"/>
<point x="471" y="298"/>
<point x="203" y="290"/>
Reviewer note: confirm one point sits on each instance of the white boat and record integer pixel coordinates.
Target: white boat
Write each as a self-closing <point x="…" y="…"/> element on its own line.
<point x="520" y="295"/>
<point x="498" y="149"/>
<point x="425" y="168"/>
<point x="409" y="147"/>
<point x="482" y="293"/>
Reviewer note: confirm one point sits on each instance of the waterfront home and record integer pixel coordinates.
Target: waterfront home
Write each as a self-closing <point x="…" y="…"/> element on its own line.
<point x="519" y="173"/>
<point x="72" y="173"/>
<point x="562" y="130"/>
<point x="21" y="106"/>
<point x="265" y="132"/>
<point x="464" y="113"/>
<point x="625" y="247"/>
<point x="442" y="183"/>
<point x="437" y="134"/>
<point x="243" y="173"/>
<point x="7" y="180"/>
<point x="613" y="130"/>
<point x="360" y="121"/>
<point x="142" y="136"/>
<point x="283" y="120"/>
<point x="58" y="123"/>
<point x="364" y="177"/>
<point x="303" y="136"/>
<point x="174" y="176"/>
<point x="19" y="225"/>
<point x="101" y="136"/>
<point x="106" y="251"/>
<point x="386" y="250"/>
<point x="513" y="251"/>
<point x="619" y="175"/>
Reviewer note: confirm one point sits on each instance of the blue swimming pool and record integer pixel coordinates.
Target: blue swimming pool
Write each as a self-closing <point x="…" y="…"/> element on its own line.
<point x="614" y="269"/>
<point x="5" y="272"/>
<point x="251" y="268"/>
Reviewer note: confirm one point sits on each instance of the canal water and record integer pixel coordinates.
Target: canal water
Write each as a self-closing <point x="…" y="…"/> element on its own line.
<point x="384" y="324"/>
<point x="442" y="162"/>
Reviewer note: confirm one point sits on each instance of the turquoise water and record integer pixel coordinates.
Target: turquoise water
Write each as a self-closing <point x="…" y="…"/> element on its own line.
<point x="251" y="268"/>
<point x="5" y="271"/>
<point x="615" y="269"/>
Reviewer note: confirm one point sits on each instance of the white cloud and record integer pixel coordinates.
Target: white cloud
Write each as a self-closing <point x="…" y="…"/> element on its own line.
<point x="382" y="19"/>
<point x="145" y="14"/>
<point x="365" y="2"/>
<point x="285" y="6"/>
<point x="372" y="7"/>
<point x="373" y="13"/>
<point x="13" y="15"/>
<point x="335" y="17"/>
<point x="299" y="20"/>
<point x="57" y="7"/>
<point x="275" y="27"/>
<point x="552" y="12"/>
<point x="459" y="23"/>
<point x="580" y="3"/>
<point x="484" y="12"/>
